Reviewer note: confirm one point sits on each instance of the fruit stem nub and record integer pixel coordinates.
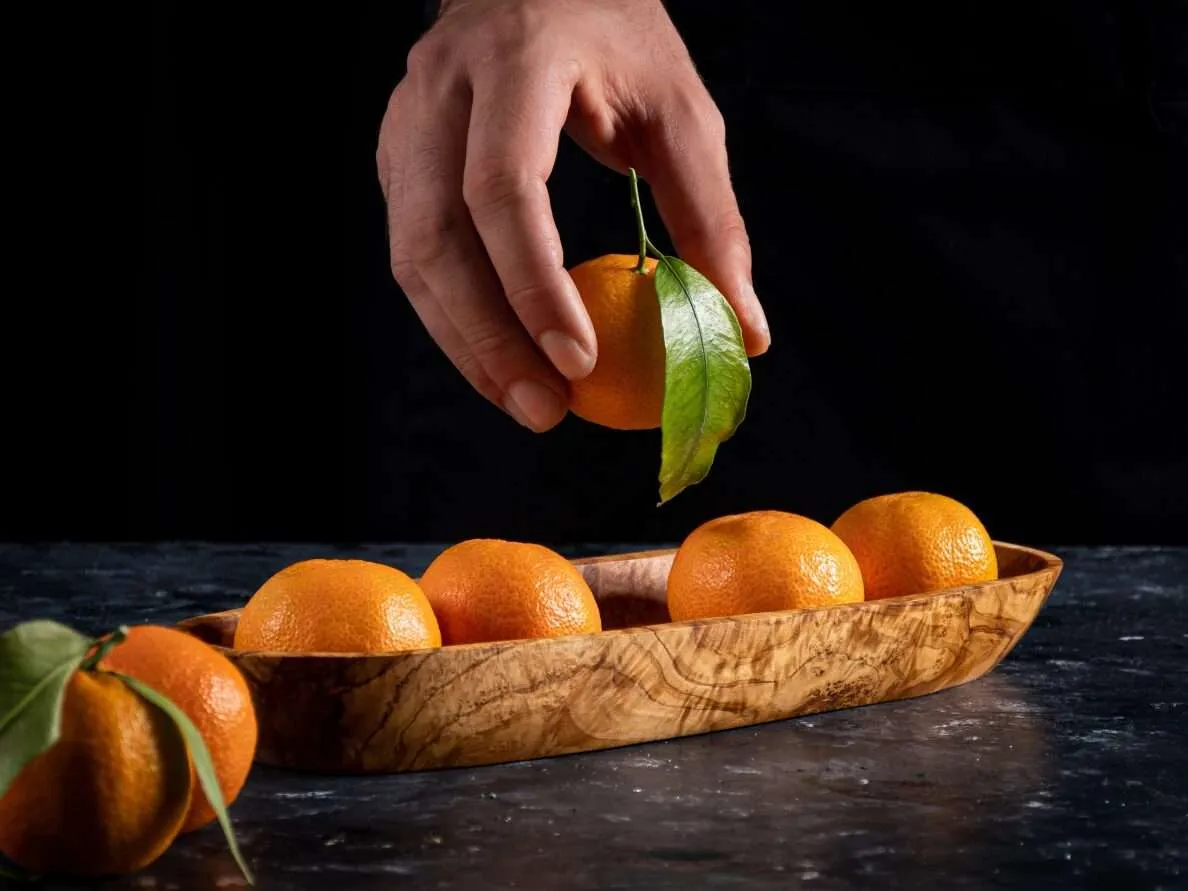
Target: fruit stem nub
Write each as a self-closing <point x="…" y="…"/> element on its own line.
<point x="103" y="646"/>
<point x="645" y="243"/>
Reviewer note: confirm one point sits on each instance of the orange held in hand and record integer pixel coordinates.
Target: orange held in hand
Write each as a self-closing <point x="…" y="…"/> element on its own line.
<point x="626" y="388"/>
<point x="337" y="606"/>
<point x="109" y="796"/>
<point x="489" y="589"/>
<point x="209" y="689"/>
<point x="757" y="562"/>
<point x="916" y="542"/>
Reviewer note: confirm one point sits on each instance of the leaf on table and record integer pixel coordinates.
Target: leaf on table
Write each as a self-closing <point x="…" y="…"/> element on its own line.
<point x="707" y="378"/>
<point x="37" y="660"/>
<point x="203" y="765"/>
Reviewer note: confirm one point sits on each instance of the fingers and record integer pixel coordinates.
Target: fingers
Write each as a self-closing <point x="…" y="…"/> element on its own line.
<point x="686" y="166"/>
<point x="390" y="161"/>
<point x="511" y="149"/>
<point x="440" y="245"/>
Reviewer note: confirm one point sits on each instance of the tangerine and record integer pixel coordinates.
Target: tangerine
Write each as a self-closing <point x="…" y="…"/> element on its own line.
<point x="916" y="542"/>
<point x="338" y="606"/>
<point x="490" y="589"/>
<point x="204" y="684"/>
<point x="109" y="796"/>
<point x="762" y="561"/>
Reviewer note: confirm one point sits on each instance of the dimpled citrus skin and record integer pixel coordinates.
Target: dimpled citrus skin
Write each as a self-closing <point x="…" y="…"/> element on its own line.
<point x="109" y="797"/>
<point x="490" y="589"/>
<point x="338" y="606"/>
<point x="916" y="542"/>
<point x="204" y="684"/>
<point x="763" y="561"/>
<point x="626" y="388"/>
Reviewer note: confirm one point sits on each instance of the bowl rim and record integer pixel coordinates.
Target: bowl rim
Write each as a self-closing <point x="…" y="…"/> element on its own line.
<point x="1050" y="561"/>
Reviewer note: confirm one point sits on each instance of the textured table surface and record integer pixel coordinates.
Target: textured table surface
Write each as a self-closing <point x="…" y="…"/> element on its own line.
<point x="1066" y="767"/>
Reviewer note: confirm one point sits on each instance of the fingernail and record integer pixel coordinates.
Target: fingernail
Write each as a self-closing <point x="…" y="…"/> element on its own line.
<point x="759" y="319"/>
<point x="534" y="405"/>
<point x="567" y="355"/>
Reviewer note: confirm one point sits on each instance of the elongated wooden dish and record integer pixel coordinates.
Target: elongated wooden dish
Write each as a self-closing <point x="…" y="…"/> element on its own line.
<point x="488" y="703"/>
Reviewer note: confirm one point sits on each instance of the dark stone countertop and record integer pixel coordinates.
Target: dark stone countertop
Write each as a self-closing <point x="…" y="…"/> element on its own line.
<point x="1066" y="767"/>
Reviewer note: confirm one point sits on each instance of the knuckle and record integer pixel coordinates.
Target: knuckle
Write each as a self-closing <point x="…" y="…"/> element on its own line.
<point x="489" y="343"/>
<point x="404" y="271"/>
<point x="693" y="107"/>
<point x="427" y="238"/>
<point x="428" y="56"/>
<point x="487" y="185"/>
<point x="732" y="229"/>
<point x="515" y="29"/>
<point x="530" y="298"/>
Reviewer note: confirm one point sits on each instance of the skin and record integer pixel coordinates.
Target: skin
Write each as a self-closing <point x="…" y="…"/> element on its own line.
<point x="465" y="151"/>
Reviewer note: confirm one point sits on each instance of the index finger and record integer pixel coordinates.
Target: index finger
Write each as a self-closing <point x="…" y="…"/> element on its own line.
<point x="515" y="127"/>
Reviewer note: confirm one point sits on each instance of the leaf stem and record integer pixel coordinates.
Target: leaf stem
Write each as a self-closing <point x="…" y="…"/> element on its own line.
<point x="645" y="243"/>
<point x="104" y="646"/>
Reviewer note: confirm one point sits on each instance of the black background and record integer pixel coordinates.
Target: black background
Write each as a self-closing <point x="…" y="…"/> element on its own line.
<point x="969" y="228"/>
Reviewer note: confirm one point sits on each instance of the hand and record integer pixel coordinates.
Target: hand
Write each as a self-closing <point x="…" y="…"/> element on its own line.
<point x="466" y="148"/>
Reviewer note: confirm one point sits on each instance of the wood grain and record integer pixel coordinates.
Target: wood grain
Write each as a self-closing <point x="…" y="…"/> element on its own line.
<point x="514" y="700"/>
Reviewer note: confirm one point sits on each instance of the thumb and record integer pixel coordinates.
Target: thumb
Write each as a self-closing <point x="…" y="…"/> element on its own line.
<point x="686" y="165"/>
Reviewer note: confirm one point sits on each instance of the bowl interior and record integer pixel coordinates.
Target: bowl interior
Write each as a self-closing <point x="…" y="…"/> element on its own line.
<point x="630" y="589"/>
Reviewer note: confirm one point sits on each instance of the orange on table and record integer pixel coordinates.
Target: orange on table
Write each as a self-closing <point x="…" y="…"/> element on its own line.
<point x="204" y="684"/>
<point x="337" y="606"/>
<point x="109" y="796"/>
<point x="625" y="390"/>
<point x="762" y="561"/>
<point x="916" y="542"/>
<point x="491" y="589"/>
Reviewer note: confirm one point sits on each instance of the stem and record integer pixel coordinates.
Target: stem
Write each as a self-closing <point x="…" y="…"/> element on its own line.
<point x="645" y="243"/>
<point x="105" y="644"/>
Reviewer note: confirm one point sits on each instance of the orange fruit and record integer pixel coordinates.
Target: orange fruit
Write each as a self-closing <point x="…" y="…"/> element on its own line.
<point x="915" y="542"/>
<point x="489" y="589"/>
<point x="204" y="684"/>
<point x="109" y="796"/>
<point x="337" y="606"/>
<point x="626" y="388"/>
<point x="762" y="561"/>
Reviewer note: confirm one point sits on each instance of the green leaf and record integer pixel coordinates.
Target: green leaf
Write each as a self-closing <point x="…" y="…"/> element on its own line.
<point x="37" y="660"/>
<point x="707" y="378"/>
<point x="203" y="765"/>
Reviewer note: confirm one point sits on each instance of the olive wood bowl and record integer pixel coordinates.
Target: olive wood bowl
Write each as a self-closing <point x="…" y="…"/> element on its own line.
<point x="642" y="678"/>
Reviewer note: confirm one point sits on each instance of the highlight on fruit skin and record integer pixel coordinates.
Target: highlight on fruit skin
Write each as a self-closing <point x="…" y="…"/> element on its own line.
<point x="916" y="543"/>
<point x="625" y="391"/>
<point x="489" y="590"/>
<point x="761" y="561"/>
<point x="338" y="606"/>
<point x="207" y="686"/>
<point x="109" y="797"/>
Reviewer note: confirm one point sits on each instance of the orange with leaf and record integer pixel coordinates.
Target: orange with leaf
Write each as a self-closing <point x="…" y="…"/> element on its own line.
<point x="209" y="689"/>
<point x="670" y="355"/>
<point x="100" y="769"/>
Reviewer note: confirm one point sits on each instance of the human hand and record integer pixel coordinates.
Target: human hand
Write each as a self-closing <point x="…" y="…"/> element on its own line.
<point x="466" y="148"/>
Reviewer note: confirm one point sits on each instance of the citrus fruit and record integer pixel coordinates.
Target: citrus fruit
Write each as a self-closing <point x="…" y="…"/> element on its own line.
<point x="490" y="589"/>
<point x="109" y="796"/>
<point x="626" y="388"/>
<point x="757" y="562"/>
<point x="337" y="606"/>
<point x="209" y="689"/>
<point x="916" y="542"/>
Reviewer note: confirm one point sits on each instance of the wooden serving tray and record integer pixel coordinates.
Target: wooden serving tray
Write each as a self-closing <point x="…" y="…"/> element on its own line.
<point x="514" y="700"/>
